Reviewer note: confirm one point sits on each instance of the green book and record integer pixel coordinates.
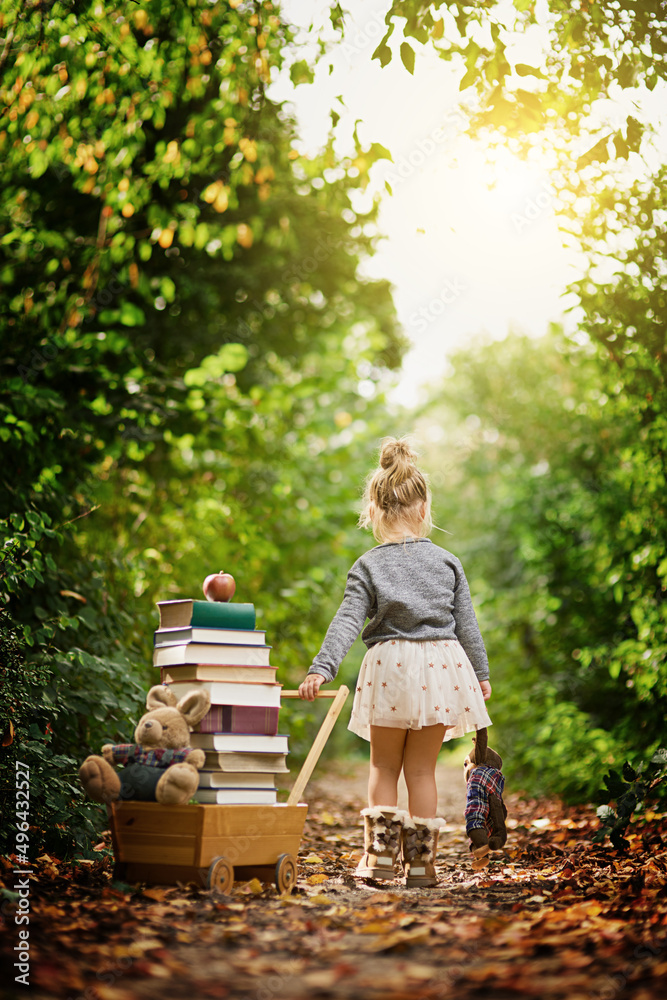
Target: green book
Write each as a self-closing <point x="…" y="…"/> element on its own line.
<point x="206" y="614"/>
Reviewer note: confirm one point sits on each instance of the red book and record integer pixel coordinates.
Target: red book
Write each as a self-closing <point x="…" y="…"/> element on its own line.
<point x="240" y="719"/>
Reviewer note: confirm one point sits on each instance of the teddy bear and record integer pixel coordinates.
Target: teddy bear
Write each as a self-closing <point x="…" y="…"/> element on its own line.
<point x="161" y="766"/>
<point x="485" y="810"/>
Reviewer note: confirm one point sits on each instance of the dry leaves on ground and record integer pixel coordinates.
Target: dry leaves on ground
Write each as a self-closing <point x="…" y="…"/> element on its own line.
<point x="552" y="916"/>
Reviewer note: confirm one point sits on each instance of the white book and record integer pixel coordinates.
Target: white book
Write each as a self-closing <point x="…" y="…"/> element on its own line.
<point x="235" y="779"/>
<point x="232" y="692"/>
<point x="217" y="672"/>
<point x="216" y="636"/>
<point x="236" y="796"/>
<point x="246" y="761"/>
<point x="254" y="742"/>
<point x="207" y="652"/>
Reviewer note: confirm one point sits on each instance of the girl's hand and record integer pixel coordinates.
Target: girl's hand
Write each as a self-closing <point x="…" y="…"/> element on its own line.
<point x="310" y="686"/>
<point x="486" y="689"/>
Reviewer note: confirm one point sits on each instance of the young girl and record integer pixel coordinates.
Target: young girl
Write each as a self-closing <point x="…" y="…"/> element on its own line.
<point x="424" y="679"/>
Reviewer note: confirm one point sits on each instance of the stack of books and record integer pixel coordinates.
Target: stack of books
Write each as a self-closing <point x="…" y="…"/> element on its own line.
<point x="215" y="645"/>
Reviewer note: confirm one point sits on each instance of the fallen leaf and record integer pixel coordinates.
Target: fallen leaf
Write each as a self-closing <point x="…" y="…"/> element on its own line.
<point x="319" y="980"/>
<point x="156" y="893"/>
<point x="416" y="935"/>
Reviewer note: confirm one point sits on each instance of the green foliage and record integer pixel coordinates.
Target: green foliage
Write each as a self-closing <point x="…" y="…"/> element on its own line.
<point x="185" y="335"/>
<point x="581" y="61"/>
<point x="625" y="317"/>
<point x="630" y="791"/>
<point x="54" y="816"/>
<point x="543" y="516"/>
<point x="550" y="746"/>
<point x="64" y="680"/>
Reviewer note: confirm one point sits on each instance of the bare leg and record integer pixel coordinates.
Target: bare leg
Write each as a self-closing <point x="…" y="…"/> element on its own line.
<point x="387" y="746"/>
<point x="420" y="756"/>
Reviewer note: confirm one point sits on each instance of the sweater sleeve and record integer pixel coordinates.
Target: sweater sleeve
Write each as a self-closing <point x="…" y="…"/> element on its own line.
<point x="346" y="624"/>
<point x="123" y="753"/>
<point x="467" y="629"/>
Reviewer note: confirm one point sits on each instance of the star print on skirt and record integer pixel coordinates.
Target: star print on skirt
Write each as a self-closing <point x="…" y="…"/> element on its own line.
<point x="408" y="685"/>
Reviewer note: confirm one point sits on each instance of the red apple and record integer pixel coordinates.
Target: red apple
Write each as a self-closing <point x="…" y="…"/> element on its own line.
<point x="219" y="587"/>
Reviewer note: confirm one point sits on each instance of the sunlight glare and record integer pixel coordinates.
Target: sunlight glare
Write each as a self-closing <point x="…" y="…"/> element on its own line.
<point x="470" y="241"/>
<point x="473" y="246"/>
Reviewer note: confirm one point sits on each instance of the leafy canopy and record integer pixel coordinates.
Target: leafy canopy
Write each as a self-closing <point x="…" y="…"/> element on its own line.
<point x="184" y="339"/>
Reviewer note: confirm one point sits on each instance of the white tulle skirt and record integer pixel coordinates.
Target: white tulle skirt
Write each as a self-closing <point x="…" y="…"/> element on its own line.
<point x="408" y="685"/>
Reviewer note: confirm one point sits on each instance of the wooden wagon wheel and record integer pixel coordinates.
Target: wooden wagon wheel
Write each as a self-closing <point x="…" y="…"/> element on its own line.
<point x="285" y="873"/>
<point x="220" y="875"/>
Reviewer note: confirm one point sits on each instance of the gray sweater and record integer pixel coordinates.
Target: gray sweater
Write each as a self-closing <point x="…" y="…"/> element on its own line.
<point x="409" y="590"/>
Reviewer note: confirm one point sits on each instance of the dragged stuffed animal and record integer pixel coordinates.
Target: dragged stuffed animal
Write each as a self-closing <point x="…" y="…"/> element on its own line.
<point x="485" y="810"/>
<point x="161" y="766"/>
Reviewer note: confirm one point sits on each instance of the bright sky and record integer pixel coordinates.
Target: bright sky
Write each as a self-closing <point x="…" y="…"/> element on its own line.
<point x="463" y="257"/>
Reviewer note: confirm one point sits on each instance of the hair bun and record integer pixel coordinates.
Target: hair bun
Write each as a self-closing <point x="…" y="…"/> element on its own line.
<point x="397" y="495"/>
<point x="395" y="452"/>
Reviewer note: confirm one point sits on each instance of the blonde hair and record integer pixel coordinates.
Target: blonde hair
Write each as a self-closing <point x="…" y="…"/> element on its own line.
<point x="395" y="493"/>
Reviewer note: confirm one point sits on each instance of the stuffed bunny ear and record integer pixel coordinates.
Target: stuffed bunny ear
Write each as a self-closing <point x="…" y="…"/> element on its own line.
<point x="193" y="706"/>
<point x="481" y="743"/>
<point x="160" y="696"/>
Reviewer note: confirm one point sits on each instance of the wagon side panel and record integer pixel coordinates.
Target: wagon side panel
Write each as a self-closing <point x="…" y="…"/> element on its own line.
<point x="147" y="833"/>
<point x="251" y="835"/>
<point x="190" y="837"/>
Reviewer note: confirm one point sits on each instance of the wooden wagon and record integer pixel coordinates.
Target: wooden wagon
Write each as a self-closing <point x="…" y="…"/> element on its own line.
<point x="213" y="845"/>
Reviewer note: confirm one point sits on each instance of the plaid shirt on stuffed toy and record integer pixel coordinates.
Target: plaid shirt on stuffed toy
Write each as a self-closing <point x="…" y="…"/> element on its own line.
<point x="133" y="753"/>
<point x="483" y="781"/>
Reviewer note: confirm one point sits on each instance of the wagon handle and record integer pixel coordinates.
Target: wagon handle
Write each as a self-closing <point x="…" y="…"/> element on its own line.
<point x="320" y="694"/>
<point x="311" y="760"/>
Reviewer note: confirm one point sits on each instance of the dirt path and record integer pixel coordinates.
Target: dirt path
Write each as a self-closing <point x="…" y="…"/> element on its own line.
<point x="554" y="917"/>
